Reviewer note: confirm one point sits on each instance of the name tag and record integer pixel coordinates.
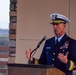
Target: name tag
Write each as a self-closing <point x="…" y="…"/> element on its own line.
<point x="48" y="47"/>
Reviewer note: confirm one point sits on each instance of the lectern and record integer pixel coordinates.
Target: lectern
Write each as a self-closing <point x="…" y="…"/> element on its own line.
<point x="30" y="69"/>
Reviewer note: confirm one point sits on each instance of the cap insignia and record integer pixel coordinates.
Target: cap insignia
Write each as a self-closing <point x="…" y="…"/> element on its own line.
<point x="54" y="17"/>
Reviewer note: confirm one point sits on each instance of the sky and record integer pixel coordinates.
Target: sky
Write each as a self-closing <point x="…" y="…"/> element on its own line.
<point x="4" y="14"/>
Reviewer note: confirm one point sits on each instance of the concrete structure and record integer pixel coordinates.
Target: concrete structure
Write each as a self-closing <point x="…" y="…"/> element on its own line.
<point x="12" y="29"/>
<point x="31" y="21"/>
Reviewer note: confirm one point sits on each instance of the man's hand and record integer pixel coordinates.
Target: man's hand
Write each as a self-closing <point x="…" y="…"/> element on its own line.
<point x="27" y="52"/>
<point x="63" y="58"/>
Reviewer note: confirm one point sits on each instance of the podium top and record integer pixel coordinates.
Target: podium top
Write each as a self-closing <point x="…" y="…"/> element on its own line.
<point x="32" y="69"/>
<point x="29" y="65"/>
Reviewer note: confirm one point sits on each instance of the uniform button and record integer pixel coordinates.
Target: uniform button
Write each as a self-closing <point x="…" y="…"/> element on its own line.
<point x="63" y="50"/>
<point x="53" y="53"/>
<point x="52" y="64"/>
<point x="53" y="59"/>
<point x="46" y="52"/>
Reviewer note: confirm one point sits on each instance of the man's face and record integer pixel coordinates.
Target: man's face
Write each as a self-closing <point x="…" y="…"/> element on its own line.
<point x="59" y="29"/>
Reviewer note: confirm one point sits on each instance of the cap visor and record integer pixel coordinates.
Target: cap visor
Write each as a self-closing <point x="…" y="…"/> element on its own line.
<point x="57" y="21"/>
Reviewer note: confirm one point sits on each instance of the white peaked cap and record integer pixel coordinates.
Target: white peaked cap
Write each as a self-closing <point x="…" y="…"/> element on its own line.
<point x="57" y="16"/>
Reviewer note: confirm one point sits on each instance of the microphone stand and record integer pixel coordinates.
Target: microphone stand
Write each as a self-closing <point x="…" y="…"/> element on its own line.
<point x="33" y="51"/>
<point x="44" y="38"/>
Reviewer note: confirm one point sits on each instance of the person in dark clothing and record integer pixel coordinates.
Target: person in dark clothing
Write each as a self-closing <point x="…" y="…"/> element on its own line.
<point x="60" y="50"/>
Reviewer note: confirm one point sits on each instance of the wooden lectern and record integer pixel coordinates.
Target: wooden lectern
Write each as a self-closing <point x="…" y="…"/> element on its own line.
<point x="27" y="69"/>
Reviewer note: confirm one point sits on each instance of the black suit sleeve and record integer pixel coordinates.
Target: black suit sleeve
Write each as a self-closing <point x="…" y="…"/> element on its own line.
<point x="72" y="56"/>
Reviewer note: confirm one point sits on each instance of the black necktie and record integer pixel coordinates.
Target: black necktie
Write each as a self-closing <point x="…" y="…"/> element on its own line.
<point x="56" y="42"/>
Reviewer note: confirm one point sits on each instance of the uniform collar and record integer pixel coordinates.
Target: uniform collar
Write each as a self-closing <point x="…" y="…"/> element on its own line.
<point x="59" y="39"/>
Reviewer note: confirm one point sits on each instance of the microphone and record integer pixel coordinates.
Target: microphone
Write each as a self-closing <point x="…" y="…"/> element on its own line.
<point x="43" y="39"/>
